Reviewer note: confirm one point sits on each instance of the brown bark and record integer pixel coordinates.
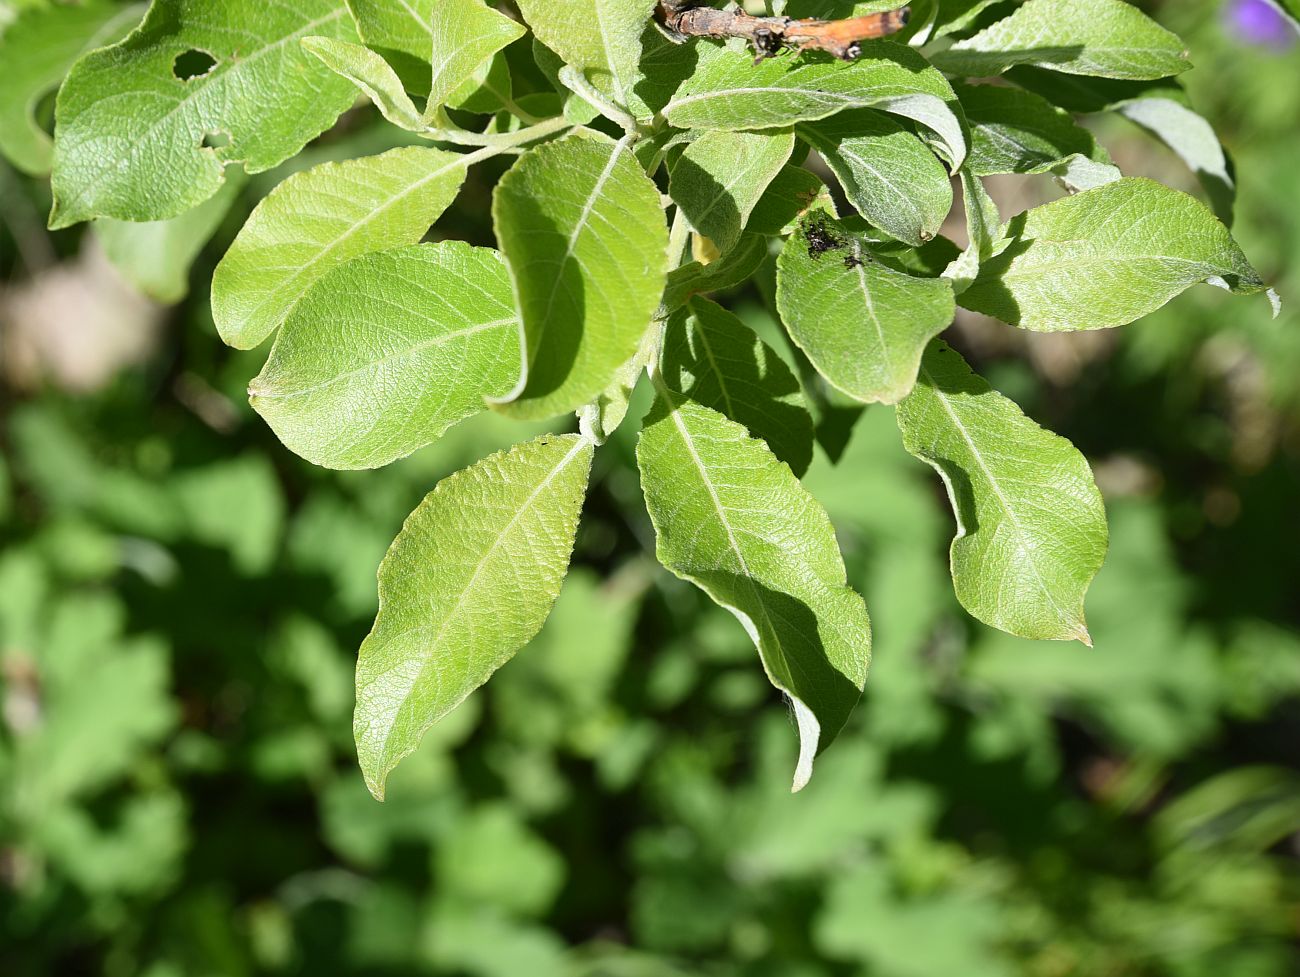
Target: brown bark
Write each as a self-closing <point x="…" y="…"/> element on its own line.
<point x="769" y="35"/>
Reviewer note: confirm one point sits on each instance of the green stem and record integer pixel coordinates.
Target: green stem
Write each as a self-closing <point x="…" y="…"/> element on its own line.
<point x="499" y="141"/>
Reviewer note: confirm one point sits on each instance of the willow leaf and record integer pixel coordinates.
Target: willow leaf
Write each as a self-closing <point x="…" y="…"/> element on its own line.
<point x="389" y="350"/>
<point x="468" y="582"/>
<point x="862" y="324"/>
<point x="1106" y="257"/>
<point x="582" y="228"/>
<point x="135" y="141"/>
<point x="732" y="519"/>
<point x="320" y="218"/>
<point x="1031" y="526"/>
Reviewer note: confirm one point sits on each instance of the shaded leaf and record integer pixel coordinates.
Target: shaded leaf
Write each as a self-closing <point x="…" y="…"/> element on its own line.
<point x="711" y="357"/>
<point x="696" y="278"/>
<point x="36" y="51"/>
<point x="889" y="175"/>
<point x="733" y="520"/>
<point x="582" y="229"/>
<point x="720" y="177"/>
<point x="1015" y="131"/>
<point x="155" y="256"/>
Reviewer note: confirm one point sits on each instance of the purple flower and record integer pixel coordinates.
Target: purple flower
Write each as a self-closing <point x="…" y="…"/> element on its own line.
<point x="1260" y="22"/>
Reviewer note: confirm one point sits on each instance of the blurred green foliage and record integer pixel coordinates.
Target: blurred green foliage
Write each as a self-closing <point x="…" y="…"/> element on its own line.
<point x="180" y="603"/>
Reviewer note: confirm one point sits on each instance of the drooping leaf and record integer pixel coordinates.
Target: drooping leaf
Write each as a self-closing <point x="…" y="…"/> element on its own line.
<point x="601" y="39"/>
<point x="386" y="352"/>
<point x="1193" y="140"/>
<point x="862" y="324"/>
<point x="370" y="73"/>
<point x="465" y="34"/>
<point x="155" y="256"/>
<point x="730" y="92"/>
<point x="733" y="520"/>
<point x="134" y="140"/>
<point x="983" y="232"/>
<point x="36" y="51"/>
<point x="721" y="176"/>
<point x="1108" y="38"/>
<point x="468" y="582"/>
<point x="321" y="218"/>
<point x="1015" y="131"/>
<point x="583" y="231"/>
<point x="1106" y="257"/>
<point x="1031" y="526"/>
<point x="711" y="357"/>
<point x="889" y="175"/>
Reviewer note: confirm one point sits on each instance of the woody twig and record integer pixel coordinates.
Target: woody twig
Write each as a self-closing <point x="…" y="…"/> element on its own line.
<point x="769" y="35"/>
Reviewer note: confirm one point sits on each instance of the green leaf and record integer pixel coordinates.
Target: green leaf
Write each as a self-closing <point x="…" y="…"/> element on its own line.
<point x="135" y="141"/>
<point x="730" y="92"/>
<point x="696" y="278"/>
<point x="399" y="31"/>
<point x="1106" y="257"/>
<point x="721" y="176"/>
<point x="155" y="256"/>
<point x="1031" y="527"/>
<point x="790" y="196"/>
<point x="889" y="175"/>
<point x="1108" y="38"/>
<point x="711" y="357"/>
<point x="386" y="352"/>
<point x="601" y="39"/>
<point x="370" y="73"/>
<point x="983" y="231"/>
<point x="862" y="324"/>
<point x="465" y="35"/>
<point x="733" y="520"/>
<point x="581" y="227"/>
<point x="466" y="584"/>
<point x="320" y="218"/>
<point x="1014" y="131"/>
<point x="36" y="51"/>
<point x="1192" y="139"/>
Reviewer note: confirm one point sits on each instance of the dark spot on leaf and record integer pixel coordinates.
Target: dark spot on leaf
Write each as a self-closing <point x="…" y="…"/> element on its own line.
<point x="193" y="63"/>
<point x="852" y="261"/>
<point x="820" y="238"/>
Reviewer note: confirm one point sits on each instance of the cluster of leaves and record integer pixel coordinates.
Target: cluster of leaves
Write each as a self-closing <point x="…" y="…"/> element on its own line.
<point x="613" y="803"/>
<point x="649" y="173"/>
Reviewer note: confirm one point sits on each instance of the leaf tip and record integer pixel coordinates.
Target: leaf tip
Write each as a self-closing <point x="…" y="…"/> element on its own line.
<point x="1082" y="635"/>
<point x="59" y="218"/>
<point x="809" y="735"/>
<point x="1275" y="300"/>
